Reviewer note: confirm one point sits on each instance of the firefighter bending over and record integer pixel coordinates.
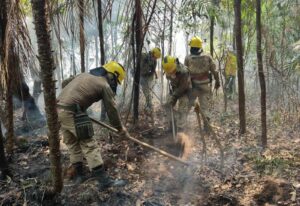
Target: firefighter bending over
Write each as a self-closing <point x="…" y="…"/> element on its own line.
<point x="76" y="127"/>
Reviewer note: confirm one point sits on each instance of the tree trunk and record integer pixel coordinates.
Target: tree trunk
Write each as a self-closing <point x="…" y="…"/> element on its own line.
<point x="96" y="51"/>
<point x="3" y="162"/>
<point x="47" y="67"/>
<point x="81" y="38"/>
<point x="3" y="23"/>
<point x="212" y="23"/>
<point x="239" y="47"/>
<point x="87" y="54"/>
<point x="163" y="54"/>
<point x="7" y="54"/>
<point x="102" y="52"/>
<point x="173" y="3"/>
<point x="261" y="76"/>
<point x="139" y="45"/>
<point x="73" y="67"/>
<point x="100" y="28"/>
<point x="234" y="37"/>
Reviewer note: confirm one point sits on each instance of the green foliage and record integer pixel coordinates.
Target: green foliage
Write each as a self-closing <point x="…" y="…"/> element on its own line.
<point x="25" y="7"/>
<point x="194" y="15"/>
<point x="271" y="165"/>
<point x="276" y="118"/>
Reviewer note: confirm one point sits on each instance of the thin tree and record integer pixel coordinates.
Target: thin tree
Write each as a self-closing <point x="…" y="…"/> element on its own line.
<point x="41" y="22"/>
<point x="173" y="3"/>
<point x="211" y="30"/>
<point x="81" y="34"/>
<point x="163" y="51"/>
<point x="102" y="53"/>
<point x="3" y="162"/>
<point x="100" y="28"/>
<point x="261" y="76"/>
<point x="239" y="49"/>
<point x="139" y="45"/>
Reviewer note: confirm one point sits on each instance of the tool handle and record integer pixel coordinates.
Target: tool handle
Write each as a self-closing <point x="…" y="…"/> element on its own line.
<point x="141" y="143"/>
<point x="104" y="125"/>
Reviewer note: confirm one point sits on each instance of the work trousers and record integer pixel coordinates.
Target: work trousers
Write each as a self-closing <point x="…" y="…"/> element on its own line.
<point x="203" y="92"/>
<point x="147" y="83"/>
<point x="78" y="149"/>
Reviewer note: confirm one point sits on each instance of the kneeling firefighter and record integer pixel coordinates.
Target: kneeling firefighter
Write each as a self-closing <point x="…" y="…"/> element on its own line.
<point x="180" y="85"/>
<point x="76" y="127"/>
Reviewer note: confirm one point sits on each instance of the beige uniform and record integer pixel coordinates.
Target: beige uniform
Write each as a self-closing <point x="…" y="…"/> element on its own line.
<point x="148" y="66"/>
<point x="84" y="90"/>
<point x="181" y="86"/>
<point x="199" y="67"/>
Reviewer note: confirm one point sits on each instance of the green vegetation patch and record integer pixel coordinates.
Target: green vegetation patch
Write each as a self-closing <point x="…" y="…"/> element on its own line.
<point x="272" y="165"/>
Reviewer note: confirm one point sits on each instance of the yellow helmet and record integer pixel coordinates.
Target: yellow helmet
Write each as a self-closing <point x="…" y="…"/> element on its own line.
<point x="156" y="52"/>
<point x="169" y="64"/>
<point x="196" y="42"/>
<point x="116" y="69"/>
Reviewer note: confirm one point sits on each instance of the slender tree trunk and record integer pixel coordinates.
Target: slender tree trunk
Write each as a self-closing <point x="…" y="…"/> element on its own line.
<point x="239" y="47"/>
<point x="47" y="68"/>
<point x="73" y="65"/>
<point x="171" y="27"/>
<point x="163" y="54"/>
<point x="139" y="45"/>
<point x="3" y="23"/>
<point x="212" y="24"/>
<point x="261" y="76"/>
<point x="3" y="162"/>
<point x="82" y="38"/>
<point x="100" y="28"/>
<point x="87" y="54"/>
<point x="234" y="37"/>
<point x="102" y="51"/>
<point x="97" y="51"/>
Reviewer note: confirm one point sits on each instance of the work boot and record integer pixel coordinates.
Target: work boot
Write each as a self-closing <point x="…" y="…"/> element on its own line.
<point x="77" y="169"/>
<point x="104" y="180"/>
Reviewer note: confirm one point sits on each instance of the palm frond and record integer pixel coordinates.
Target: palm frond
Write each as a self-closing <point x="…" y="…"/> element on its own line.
<point x="19" y="54"/>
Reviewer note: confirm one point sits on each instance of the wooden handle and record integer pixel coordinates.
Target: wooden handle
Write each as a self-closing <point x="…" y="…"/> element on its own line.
<point x="142" y="143"/>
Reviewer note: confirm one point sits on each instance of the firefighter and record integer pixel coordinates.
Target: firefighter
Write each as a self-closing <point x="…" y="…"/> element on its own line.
<point x="180" y="84"/>
<point x="76" y="127"/>
<point x="230" y="72"/>
<point x="148" y="73"/>
<point x="201" y="66"/>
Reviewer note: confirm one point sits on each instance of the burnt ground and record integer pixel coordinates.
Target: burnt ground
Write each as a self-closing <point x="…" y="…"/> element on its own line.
<point x="250" y="176"/>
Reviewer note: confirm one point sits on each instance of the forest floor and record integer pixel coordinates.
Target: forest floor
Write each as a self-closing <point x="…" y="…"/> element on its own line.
<point x="250" y="176"/>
